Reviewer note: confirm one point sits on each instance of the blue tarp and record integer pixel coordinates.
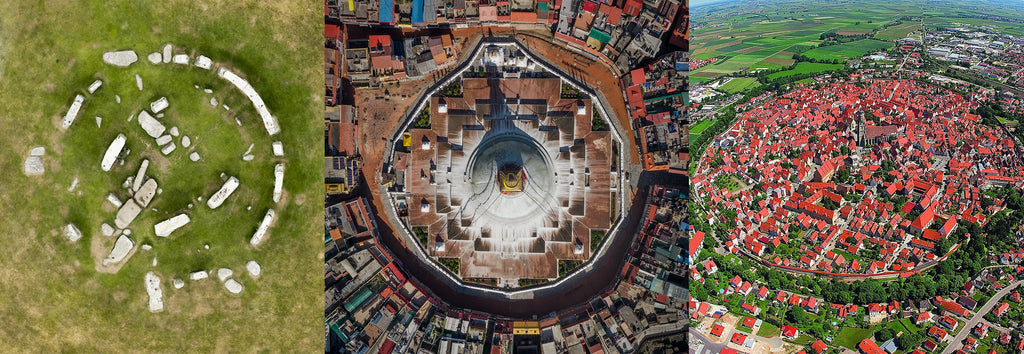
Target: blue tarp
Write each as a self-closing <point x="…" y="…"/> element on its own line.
<point x="417" y="11"/>
<point x="387" y="10"/>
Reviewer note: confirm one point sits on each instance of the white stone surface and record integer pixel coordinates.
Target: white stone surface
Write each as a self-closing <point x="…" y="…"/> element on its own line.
<point x="226" y="108"/>
<point x="178" y="283"/>
<point x="278" y="181"/>
<point x="74" y="184"/>
<point x="261" y="231"/>
<point x="95" y="85"/>
<point x="203" y="62"/>
<point x="155" y="57"/>
<point x="121" y="58"/>
<point x="34" y="166"/>
<point x="99" y="122"/>
<point x="114" y="200"/>
<point x="128" y="212"/>
<point x="138" y="81"/>
<point x="154" y="262"/>
<point x="152" y="126"/>
<point x="122" y="247"/>
<point x="200" y="275"/>
<point x="248" y="157"/>
<point x="278" y="148"/>
<point x="169" y="148"/>
<point x="208" y="90"/>
<point x="233" y="286"/>
<point x="72" y="232"/>
<point x="166" y="227"/>
<point x="117" y="98"/>
<point x="146" y="192"/>
<point x="147" y="247"/>
<point x="174" y="131"/>
<point x="106" y="229"/>
<point x="194" y="156"/>
<point x="186" y="141"/>
<point x="180" y="59"/>
<point x="213" y="101"/>
<point x="269" y="122"/>
<point x="224" y="273"/>
<point x="72" y="113"/>
<point x="156" y="294"/>
<point x="113" y="151"/>
<point x="140" y="175"/>
<point x="253" y="268"/>
<point x="164" y="139"/>
<point x="167" y="53"/>
<point x="127" y="231"/>
<point x="225" y="191"/>
<point x="158" y="105"/>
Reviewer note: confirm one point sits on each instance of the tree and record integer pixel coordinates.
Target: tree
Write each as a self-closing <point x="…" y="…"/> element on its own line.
<point x="884" y="334"/>
<point x="909" y="341"/>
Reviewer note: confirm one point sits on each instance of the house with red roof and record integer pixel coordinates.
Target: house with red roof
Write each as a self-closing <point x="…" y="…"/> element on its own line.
<point x="717" y="330"/>
<point x="819" y="346"/>
<point x="938" y="333"/>
<point x="1003" y="307"/>
<point x="790" y="332"/>
<point x="868" y="346"/>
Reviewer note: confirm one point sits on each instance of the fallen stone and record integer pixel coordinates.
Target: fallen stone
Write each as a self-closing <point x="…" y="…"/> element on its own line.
<point x="117" y="98"/>
<point x="154" y="261"/>
<point x="166" y="227"/>
<point x="155" y="57"/>
<point x="164" y="139"/>
<point x="34" y="166"/>
<point x="138" y="81"/>
<point x="174" y="131"/>
<point x="128" y="182"/>
<point x="247" y="151"/>
<point x="147" y="247"/>
<point x="127" y="231"/>
<point x="186" y="141"/>
<point x="269" y="121"/>
<point x="224" y="273"/>
<point x="114" y="200"/>
<point x="206" y="246"/>
<point x="140" y="175"/>
<point x="74" y="183"/>
<point x="158" y="105"/>
<point x="253" y="268"/>
<point x="225" y="191"/>
<point x="152" y="126"/>
<point x="156" y="295"/>
<point x="180" y="59"/>
<point x="113" y="151"/>
<point x="278" y="148"/>
<point x="72" y="232"/>
<point x="226" y="108"/>
<point x="37" y="151"/>
<point x="99" y="122"/>
<point x="167" y="53"/>
<point x="106" y="229"/>
<point x="208" y="90"/>
<point x="121" y="58"/>
<point x="72" y="113"/>
<point x="95" y="86"/>
<point x="233" y="286"/>
<point x="128" y="212"/>
<point x="261" y="231"/>
<point x="248" y="158"/>
<point x="237" y="121"/>
<point x="213" y="101"/>
<point x="278" y="181"/>
<point x="200" y="275"/>
<point x="130" y="117"/>
<point x="167" y="149"/>
<point x="122" y="247"/>
<point x="178" y="283"/>
<point x="160" y="115"/>
<point x="146" y="192"/>
<point x="203" y="62"/>
<point x="194" y="156"/>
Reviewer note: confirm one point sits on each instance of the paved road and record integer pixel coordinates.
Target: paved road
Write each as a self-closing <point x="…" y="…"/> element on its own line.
<point x="978" y="316"/>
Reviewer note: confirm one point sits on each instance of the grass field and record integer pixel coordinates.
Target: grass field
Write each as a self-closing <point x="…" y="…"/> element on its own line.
<point x="739" y="84"/>
<point x="898" y="31"/>
<point x="849" y="337"/>
<point x="768" y="330"/>
<point x="855" y="49"/>
<point x="54" y="299"/>
<point x="806" y="68"/>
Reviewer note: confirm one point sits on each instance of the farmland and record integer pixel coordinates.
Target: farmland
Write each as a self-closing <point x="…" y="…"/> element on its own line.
<point x="738" y="85"/>
<point x="842" y="52"/>
<point x="806" y="68"/>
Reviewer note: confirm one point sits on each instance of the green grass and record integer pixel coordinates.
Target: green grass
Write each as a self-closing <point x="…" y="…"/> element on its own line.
<point x="855" y="49"/>
<point x="849" y="337"/>
<point x="898" y="31"/>
<point x="739" y="84"/>
<point x="701" y="127"/>
<point x="768" y="330"/>
<point x="806" y="68"/>
<point x="744" y="329"/>
<point x="57" y="300"/>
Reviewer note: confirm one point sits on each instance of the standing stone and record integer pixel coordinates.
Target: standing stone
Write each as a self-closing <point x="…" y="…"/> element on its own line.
<point x="99" y="122"/>
<point x="194" y="156"/>
<point x="34" y="166"/>
<point x="74" y="183"/>
<point x="117" y="98"/>
<point x="213" y="101"/>
<point x="95" y="86"/>
<point x="278" y="148"/>
<point x="200" y="275"/>
<point x="122" y="58"/>
<point x="167" y="53"/>
<point x="141" y="175"/>
<point x="203" y="62"/>
<point x="253" y="268"/>
<point x="163" y="140"/>
<point x="174" y="131"/>
<point x="38" y="151"/>
<point x="72" y="232"/>
<point x="138" y="81"/>
<point x="155" y="58"/>
<point x="158" y="105"/>
<point x="178" y="283"/>
<point x="233" y="286"/>
<point x="152" y="126"/>
<point x="167" y="149"/>
<point x="186" y="141"/>
<point x="224" y="273"/>
<point x="180" y="59"/>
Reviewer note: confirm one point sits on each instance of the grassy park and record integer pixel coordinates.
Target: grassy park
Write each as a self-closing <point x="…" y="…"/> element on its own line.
<point x="55" y="299"/>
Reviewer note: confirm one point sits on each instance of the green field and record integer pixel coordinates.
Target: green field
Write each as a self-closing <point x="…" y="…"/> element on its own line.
<point x="849" y="337"/>
<point x="700" y="127"/>
<point x="898" y="31"/>
<point x="739" y="84"/>
<point x="851" y="50"/>
<point x="54" y="298"/>
<point x="768" y="330"/>
<point x="806" y="68"/>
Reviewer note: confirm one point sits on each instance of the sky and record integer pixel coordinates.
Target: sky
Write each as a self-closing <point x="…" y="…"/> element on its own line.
<point x="695" y="3"/>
